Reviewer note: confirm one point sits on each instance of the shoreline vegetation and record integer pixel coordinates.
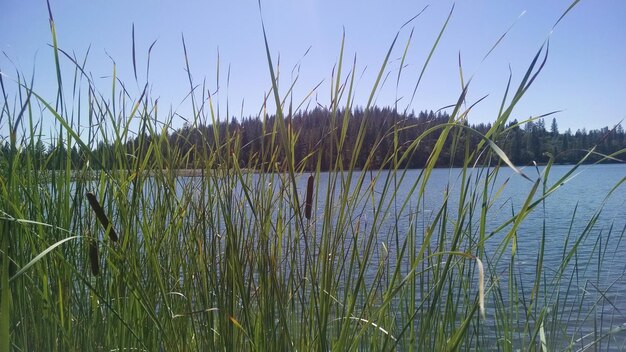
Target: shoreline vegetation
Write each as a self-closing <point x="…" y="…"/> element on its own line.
<point x="133" y="259"/>
<point x="524" y="143"/>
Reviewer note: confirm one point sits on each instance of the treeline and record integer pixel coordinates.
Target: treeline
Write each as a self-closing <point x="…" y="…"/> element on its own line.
<point x="321" y="138"/>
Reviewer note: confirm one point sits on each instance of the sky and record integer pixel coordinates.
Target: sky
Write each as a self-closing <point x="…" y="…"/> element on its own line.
<point x="584" y="78"/>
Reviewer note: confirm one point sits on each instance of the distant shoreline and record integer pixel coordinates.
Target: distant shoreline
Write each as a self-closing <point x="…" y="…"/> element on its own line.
<point x="201" y="172"/>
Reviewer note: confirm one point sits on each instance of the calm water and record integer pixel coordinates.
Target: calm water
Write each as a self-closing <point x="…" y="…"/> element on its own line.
<point x="575" y="203"/>
<point x="596" y="276"/>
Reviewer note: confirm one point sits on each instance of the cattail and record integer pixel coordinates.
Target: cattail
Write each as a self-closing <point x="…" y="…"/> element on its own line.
<point x="93" y="201"/>
<point x="93" y="257"/>
<point x="481" y="286"/>
<point x="308" y="205"/>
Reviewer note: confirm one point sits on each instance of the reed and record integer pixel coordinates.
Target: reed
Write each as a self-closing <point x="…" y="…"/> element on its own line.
<point x="308" y="204"/>
<point x="94" y="259"/>
<point x="225" y="259"/>
<point x="102" y="217"/>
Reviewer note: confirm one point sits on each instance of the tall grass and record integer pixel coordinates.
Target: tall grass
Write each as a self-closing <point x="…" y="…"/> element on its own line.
<point x="133" y="256"/>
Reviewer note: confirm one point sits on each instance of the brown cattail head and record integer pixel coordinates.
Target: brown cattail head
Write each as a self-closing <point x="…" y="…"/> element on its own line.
<point x="308" y="205"/>
<point x="104" y="220"/>
<point x="93" y="257"/>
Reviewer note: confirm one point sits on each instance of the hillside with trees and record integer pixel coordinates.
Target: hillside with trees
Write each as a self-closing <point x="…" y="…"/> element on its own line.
<point x="318" y="134"/>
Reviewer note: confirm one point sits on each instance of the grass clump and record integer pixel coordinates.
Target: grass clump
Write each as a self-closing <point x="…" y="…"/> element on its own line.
<point x="273" y="253"/>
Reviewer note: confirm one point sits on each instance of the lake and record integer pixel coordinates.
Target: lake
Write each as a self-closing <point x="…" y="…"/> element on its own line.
<point x="594" y="280"/>
<point x="587" y="294"/>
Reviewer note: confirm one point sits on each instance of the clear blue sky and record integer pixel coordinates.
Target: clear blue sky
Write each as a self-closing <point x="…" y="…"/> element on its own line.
<point x="585" y="75"/>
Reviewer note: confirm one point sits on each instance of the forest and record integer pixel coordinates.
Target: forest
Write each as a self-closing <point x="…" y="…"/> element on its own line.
<point x="316" y="136"/>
